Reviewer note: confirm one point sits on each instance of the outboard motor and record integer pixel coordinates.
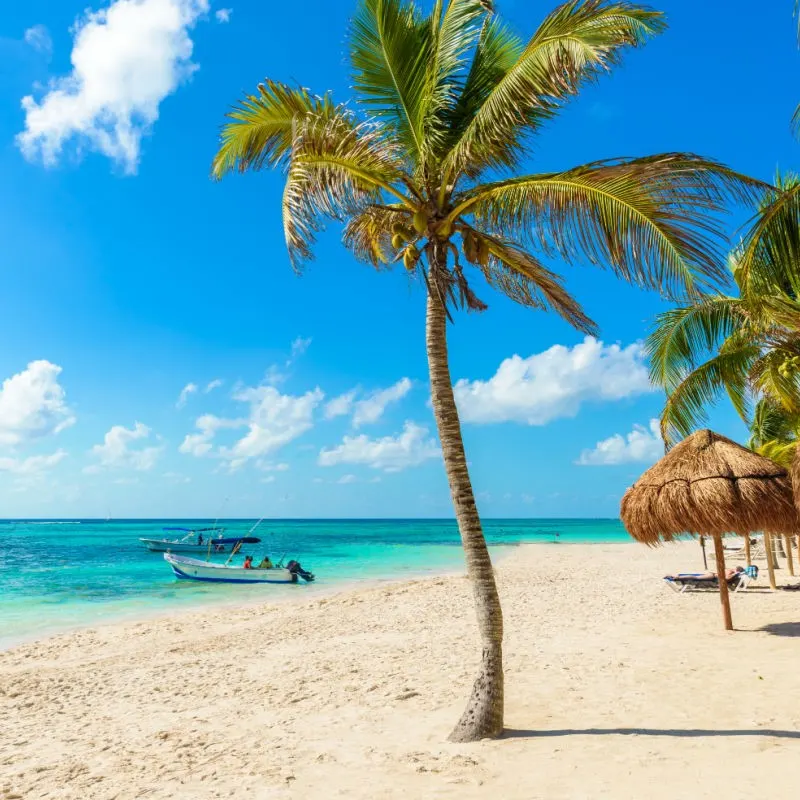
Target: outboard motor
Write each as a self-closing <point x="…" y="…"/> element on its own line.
<point x="295" y="568"/>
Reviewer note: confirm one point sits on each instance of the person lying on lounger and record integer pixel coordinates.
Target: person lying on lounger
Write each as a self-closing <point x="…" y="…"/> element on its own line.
<point x="705" y="576"/>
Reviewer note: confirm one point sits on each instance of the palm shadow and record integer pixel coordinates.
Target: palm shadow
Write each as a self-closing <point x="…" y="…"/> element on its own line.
<point x="682" y="733"/>
<point x="791" y="629"/>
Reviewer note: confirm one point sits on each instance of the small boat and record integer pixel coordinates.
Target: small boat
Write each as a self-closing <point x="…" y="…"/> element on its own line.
<point x="193" y="542"/>
<point x="193" y="569"/>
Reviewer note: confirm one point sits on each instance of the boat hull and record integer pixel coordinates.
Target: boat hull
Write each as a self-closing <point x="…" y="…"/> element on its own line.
<point x="192" y="569"/>
<point x="166" y="546"/>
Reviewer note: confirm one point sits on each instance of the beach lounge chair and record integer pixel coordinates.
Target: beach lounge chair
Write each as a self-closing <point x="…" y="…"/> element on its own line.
<point x="698" y="581"/>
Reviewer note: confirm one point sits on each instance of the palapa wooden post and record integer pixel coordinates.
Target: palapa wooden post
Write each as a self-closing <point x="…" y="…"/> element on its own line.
<point x="723" y="584"/>
<point x="747" y="551"/>
<point x="770" y="563"/>
<point x="788" y="547"/>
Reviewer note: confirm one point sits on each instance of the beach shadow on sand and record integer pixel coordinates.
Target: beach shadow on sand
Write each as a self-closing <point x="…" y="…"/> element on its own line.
<point x="688" y="733"/>
<point x="782" y="629"/>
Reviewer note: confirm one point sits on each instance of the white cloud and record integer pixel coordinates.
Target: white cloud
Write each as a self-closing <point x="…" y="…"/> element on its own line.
<point x="38" y="37"/>
<point x="371" y="408"/>
<point x="555" y="383"/>
<point x="340" y="406"/>
<point x="347" y="479"/>
<point x="390" y="453"/>
<point x="116" y="452"/>
<point x="642" y="444"/>
<point x="32" y="404"/>
<point x="190" y="388"/>
<point x="126" y="481"/>
<point x="223" y="15"/>
<point x="268" y="479"/>
<point x="126" y="59"/>
<point x="215" y="384"/>
<point x="199" y="444"/>
<point x="274" y="420"/>
<point x="33" y="464"/>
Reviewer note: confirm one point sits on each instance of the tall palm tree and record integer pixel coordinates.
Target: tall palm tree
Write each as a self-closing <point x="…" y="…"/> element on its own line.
<point x="746" y="345"/>
<point x="422" y="169"/>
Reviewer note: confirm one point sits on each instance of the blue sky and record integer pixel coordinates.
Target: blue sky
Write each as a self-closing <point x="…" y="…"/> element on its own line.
<point x="129" y="275"/>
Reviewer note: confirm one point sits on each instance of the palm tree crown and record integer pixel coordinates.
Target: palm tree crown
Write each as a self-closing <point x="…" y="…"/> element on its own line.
<point x="448" y="99"/>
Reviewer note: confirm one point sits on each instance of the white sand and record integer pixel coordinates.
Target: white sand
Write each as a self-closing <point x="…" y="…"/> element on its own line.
<point x="616" y="688"/>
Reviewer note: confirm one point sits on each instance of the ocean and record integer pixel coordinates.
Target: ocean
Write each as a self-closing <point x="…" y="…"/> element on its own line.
<point x="62" y="574"/>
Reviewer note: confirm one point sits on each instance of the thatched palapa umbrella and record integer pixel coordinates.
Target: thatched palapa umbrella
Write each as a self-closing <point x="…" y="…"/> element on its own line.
<point x="709" y="485"/>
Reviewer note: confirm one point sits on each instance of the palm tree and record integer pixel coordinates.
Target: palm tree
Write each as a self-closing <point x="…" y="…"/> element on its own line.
<point x="422" y="169"/>
<point x="745" y="346"/>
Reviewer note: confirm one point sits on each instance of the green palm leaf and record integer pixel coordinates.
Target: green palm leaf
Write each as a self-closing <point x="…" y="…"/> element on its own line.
<point x="573" y="45"/>
<point x="390" y="50"/>
<point x="653" y="220"/>
<point x="520" y="276"/>
<point x="262" y="130"/>
<point x="335" y="172"/>
<point x="682" y="335"/>
<point x="687" y="404"/>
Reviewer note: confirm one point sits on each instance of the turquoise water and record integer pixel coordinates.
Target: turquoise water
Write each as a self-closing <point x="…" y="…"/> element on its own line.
<point x="58" y="575"/>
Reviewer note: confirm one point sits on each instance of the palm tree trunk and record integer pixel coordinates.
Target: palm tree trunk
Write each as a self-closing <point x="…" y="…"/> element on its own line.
<point x="483" y="716"/>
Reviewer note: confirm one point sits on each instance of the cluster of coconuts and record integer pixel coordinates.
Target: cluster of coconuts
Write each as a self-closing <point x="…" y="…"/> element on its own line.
<point x="789" y="367"/>
<point x="476" y="249"/>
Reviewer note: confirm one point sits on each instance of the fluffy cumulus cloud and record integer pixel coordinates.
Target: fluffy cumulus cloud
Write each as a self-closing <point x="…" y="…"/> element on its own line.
<point x="555" y="383"/>
<point x="389" y="453"/>
<point x="274" y="420"/>
<point x="38" y="37"/>
<point x="118" y="450"/>
<point x="643" y="445"/>
<point x="200" y="443"/>
<point x="371" y="408"/>
<point x="187" y="390"/>
<point x="223" y="15"/>
<point x="33" y="404"/>
<point x="126" y="59"/>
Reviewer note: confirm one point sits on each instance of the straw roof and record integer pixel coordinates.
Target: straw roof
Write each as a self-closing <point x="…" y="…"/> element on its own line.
<point x="709" y="485"/>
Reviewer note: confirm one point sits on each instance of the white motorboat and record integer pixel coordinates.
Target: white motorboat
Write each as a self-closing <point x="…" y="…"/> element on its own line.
<point x="194" y="542"/>
<point x="194" y="569"/>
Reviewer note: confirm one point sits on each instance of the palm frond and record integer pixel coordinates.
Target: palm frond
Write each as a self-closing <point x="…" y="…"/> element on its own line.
<point x="334" y="174"/>
<point x="263" y="125"/>
<point x="390" y="49"/>
<point x="575" y="43"/>
<point x="683" y="336"/>
<point x="770" y="252"/>
<point x="524" y="279"/>
<point x="654" y="220"/>
<point x="455" y="27"/>
<point x="687" y="404"/>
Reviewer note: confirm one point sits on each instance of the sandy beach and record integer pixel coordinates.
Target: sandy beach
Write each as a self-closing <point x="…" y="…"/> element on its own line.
<point x="616" y="687"/>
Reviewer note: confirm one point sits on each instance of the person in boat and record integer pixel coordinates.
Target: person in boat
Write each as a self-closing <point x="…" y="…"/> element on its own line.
<point x="248" y="562"/>
<point x="265" y="563"/>
<point x="199" y="538"/>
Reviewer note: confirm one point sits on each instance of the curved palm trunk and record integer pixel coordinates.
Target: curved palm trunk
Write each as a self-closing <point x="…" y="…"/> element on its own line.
<point x="483" y="716"/>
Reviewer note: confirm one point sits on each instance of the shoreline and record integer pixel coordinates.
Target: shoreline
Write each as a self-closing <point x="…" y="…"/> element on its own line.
<point x="208" y="604"/>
